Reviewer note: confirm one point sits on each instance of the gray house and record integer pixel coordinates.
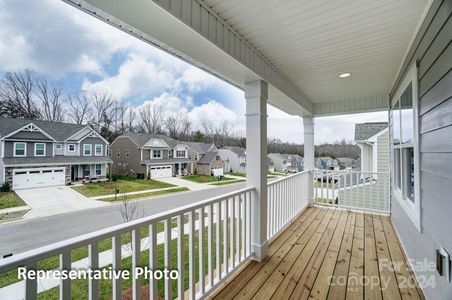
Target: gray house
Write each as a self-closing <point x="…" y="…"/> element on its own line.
<point x="373" y="140"/>
<point x="235" y="159"/>
<point x="37" y="153"/>
<point x="281" y="162"/>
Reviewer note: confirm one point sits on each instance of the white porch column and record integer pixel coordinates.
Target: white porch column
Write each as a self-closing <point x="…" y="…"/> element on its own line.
<point x="179" y="171"/>
<point x="256" y="94"/>
<point x="309" y="160"/>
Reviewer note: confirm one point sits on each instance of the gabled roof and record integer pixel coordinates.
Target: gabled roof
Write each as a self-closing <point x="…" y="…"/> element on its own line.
<point x="279" y="156"/>
<point x="363" y="131"/>
<point x="208" y="157"/>
<point x="237" y="150"/>
<point x="198" y="146"/>
<point x="345" y="159"/>
<point x="59" y="131"/>
<point x="142" y="138"/>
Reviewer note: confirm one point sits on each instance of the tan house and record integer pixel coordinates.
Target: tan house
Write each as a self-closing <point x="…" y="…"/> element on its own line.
<point x="149" y="156"/>
<point x="211" y="163"/>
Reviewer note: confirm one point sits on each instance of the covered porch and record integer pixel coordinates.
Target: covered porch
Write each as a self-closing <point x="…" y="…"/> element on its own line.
<point x="328" y="253"/>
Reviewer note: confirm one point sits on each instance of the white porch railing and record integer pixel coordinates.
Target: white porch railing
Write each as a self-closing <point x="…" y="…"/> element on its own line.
<point x="367" y="191"/>
<point x="287" y="197"/>
<point x="223" y="223"/>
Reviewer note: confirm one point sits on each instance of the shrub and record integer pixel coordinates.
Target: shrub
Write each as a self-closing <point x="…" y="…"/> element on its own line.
<point x="114" y="177"/>
<point x="5" y="187"/>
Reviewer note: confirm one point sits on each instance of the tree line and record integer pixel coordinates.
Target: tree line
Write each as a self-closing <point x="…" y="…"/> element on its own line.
<point x="29" y="95"/>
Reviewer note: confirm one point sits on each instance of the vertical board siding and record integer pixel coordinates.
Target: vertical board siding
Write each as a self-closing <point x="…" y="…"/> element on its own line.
<point x="433" y="51"/>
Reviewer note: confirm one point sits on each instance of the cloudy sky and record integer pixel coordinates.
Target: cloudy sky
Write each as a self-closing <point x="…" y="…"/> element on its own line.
<point x="79" y="52"/>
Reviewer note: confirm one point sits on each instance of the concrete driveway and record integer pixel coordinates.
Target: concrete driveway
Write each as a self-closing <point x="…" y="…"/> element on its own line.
<point x="193" y="186"/>
<point x="49" y="201"/>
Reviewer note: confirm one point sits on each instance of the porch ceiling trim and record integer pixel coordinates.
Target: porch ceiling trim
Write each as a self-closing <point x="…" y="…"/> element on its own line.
<point x="164" y="24"/>
<point x="350" y="106"/>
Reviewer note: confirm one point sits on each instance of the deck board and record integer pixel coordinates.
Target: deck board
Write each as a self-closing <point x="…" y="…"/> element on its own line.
<point x="321" y="255"/>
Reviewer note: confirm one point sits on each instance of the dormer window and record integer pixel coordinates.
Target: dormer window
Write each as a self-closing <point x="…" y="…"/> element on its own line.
<point x="40" y="149"/>
<point x="156" y="153"/>
<point x="181" y="153"/>
<point x="20" y="149"/>
<point x="87" y="148"/>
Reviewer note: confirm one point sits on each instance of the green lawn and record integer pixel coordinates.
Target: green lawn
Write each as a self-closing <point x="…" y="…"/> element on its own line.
<point x="205" y="178"/>
<point x="277" y="174"/>
<point x="143" y="195"/>
<point x="125" y="185"/>
<point x="227" y="182"/>
<point x="10" y="199"/>
<point x="269" y="175"/>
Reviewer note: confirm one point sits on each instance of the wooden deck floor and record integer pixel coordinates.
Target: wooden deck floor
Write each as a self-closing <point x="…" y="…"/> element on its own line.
<point x="328" y="254"/>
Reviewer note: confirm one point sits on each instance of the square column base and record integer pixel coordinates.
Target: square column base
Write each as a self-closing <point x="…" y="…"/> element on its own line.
<point x="260" y="251"/>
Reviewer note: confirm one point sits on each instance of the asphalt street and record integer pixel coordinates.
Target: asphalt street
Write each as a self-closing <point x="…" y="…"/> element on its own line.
<point x="26" y="235"/>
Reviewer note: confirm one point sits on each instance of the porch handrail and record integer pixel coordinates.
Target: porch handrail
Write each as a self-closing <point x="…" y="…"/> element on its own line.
<point x="360" y="190"/>
<point x="27" y="257"/>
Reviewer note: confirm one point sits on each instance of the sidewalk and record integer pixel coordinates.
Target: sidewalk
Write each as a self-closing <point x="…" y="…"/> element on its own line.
<point x="133" y="193"/>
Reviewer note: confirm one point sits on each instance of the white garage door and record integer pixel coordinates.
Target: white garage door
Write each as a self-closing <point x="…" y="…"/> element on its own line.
<point x="24" y="179"/>
<point x="161" y="171"/>
<point x="217" y="172"/>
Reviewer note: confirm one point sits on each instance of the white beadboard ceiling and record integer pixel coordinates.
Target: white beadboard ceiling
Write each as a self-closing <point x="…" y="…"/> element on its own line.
<point x="312" y="42"/>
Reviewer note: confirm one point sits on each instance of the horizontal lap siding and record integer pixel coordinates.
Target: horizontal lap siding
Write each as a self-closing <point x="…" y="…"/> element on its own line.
<point x="433" y="51"/>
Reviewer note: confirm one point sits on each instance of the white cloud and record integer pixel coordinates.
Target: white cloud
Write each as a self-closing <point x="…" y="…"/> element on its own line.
<point x="196" y="80"/>
<point x="211" y="111"/>
<point x="136" y="77"/>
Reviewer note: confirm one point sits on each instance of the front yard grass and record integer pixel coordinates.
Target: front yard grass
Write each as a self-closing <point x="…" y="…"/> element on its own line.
<point x="269" y="175"/>
<point x="143" y="195"/>
<point x="125" y="185"/>
<point x="227" y="182"/>
<point x="10" y="199"/>
<point x="205" y="178"/>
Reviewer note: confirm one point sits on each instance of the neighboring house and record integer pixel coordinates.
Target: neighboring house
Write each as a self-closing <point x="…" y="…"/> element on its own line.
<point x="296" y="163"/>
<point x="208" y="160"/>
<point x="373" y="140"/>
<point x="270" y="165"/>
<point x="211" y="163"/>
<point x="150" y="156"/>
<point x="345" y="163"/>
<point x="280" y="162"/>
<point x="38" y="153"/>
<point x="327" y="163"/>
<point x="235" y="159"/>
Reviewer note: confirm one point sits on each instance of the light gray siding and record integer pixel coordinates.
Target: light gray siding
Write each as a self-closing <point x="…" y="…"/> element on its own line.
<point x="433" y="50"/>
<point x="383" y="153"/>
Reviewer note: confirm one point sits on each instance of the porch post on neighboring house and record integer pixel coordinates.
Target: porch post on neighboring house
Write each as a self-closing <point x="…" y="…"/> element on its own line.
<point x="256" y="94"/>
<point x="179" y="172"/>
<point x="309" y="159"/>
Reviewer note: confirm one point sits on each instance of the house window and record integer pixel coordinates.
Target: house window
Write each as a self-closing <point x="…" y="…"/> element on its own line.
<point x="156" y="153"/>
<point x="98" y="170"/>
<point x="109" y="153"/>
<point x="98" y="150"/>
<point x="86" y="171"/>
<point x="180" y="153"/>
<point x="71" y="148"/>
<point x="403" y="136"/>
<point x="118" y="152"/>
<point x="404" y="130"/>
<point x="218" y="157"/>
<point x="40" y="149"/>
<point x="58" y="146"/>
<point x="20" y="149"/>
<point x="87" y="149"/>
<point x="127" y="153"/>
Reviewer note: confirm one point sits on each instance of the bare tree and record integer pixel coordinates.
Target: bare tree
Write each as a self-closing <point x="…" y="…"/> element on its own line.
<point x="16" y="95"/>
<point x="51" y="100"/>
<point x="173" y="125"/>
<point x="78" y="107"/>
<point x="103" y="106"/>
<point x="186" y="126"/>
<point x="151" y="118"/>
<point x="131" y="116"/>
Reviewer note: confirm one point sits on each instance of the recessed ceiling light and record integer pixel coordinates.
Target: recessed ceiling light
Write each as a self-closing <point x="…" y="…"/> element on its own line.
<point x="345" y="75"/>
